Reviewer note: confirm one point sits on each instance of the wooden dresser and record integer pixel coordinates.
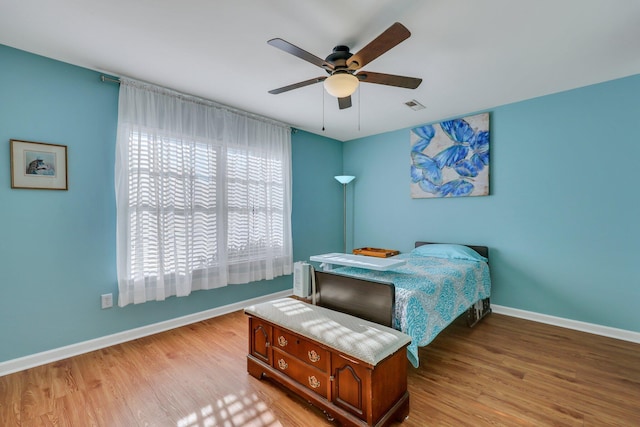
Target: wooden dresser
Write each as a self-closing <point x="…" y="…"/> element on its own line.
<point x="354" y="370"/>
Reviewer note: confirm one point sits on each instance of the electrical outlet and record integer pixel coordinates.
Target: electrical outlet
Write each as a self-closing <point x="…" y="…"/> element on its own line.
<point x="107" y="300"/>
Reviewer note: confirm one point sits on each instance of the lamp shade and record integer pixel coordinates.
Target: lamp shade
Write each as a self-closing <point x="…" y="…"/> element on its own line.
<point x="341" y="85"/>
<point x="344" y="179"/>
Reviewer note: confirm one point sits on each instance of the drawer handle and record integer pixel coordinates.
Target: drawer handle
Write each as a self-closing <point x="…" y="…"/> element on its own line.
<point x="313" y="356"/>
<point x="282" y="341"/>
<point x="313" y="382"/>
<point x="282" y="364"/>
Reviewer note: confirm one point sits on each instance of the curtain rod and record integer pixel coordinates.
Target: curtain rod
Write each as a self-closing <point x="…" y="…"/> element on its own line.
<point x="109" y="79"/>
<point x="206" y="101"/>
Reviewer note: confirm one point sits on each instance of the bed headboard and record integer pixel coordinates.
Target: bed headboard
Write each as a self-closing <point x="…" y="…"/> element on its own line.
<point x="482" y="250"/>
<point x="367" y="299"/>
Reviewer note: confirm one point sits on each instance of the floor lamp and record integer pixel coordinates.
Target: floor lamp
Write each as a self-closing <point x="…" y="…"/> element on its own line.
<point x="344" y="180"/>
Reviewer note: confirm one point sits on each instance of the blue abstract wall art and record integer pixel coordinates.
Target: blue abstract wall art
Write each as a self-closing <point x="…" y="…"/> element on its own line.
<point x="451" y="158"/>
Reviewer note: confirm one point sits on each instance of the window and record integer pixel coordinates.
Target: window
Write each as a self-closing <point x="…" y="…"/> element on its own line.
<point x="203" y="194"/>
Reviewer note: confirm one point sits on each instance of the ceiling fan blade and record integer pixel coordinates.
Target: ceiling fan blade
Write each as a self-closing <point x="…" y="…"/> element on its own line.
<point x="300" y="53"/>
<point x="390" y="38"/>
<point x="297" y="85"/>
<point x="389" y="79"/>
<point x="344" y="102"/>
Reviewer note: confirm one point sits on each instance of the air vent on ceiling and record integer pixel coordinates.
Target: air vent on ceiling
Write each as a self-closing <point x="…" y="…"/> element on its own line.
<point x="414" y="105"/>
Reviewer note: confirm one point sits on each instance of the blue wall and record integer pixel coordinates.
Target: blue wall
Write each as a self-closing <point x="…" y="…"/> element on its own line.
<point x="317" y="196"/>
<point x="57" y="248"/>
<point x="562" y="220"/>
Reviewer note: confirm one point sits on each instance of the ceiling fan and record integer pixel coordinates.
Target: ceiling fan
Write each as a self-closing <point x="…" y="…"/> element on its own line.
<point x="342" y="66"/>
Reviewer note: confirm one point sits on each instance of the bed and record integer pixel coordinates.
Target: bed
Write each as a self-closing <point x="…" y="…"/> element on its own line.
<point x="438" y="283"/>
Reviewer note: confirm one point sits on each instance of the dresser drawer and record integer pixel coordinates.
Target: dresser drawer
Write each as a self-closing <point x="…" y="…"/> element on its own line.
<point x="307" y="351"/>
<point x="310" y="377"/>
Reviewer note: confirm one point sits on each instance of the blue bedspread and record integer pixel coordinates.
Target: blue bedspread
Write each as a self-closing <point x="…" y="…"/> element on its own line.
<point x="430" y="294"/>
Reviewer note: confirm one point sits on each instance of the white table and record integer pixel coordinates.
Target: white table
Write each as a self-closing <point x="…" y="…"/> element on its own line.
<point x="361" y="261"/>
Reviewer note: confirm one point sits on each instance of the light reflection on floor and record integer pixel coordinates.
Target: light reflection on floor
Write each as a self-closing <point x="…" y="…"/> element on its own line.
<point x="232" y="411"/>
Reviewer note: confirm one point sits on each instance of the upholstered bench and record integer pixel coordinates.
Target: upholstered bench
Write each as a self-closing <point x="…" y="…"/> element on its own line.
<point x="353" y="369"/>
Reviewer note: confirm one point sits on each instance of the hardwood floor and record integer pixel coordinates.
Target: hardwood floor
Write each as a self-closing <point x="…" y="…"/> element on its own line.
<point x="503" y="372"/>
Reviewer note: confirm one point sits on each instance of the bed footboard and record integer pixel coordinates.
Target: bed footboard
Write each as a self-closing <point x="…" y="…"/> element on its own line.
<point x="367" y="299"/>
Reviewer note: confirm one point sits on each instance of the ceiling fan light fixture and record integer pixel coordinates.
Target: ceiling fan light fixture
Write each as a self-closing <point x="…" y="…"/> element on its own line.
<point x="341" y="85"/>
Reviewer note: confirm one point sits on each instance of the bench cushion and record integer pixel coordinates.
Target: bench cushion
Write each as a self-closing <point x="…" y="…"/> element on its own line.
<point x="355" y="337"/>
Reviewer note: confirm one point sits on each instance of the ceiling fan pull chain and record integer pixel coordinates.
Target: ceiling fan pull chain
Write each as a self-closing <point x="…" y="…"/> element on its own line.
<point x="322" y="92"/>
<point x="359" y="108"/>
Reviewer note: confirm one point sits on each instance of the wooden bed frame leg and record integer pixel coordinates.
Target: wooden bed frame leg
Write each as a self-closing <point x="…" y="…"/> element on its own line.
<point x="478" y="311"/>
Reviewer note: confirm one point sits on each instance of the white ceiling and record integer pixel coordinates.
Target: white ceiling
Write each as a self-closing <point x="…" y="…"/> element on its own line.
<point x="471" y="54"/>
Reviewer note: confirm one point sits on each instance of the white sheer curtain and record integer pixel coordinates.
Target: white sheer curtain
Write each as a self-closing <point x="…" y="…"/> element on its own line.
<point x="203" y="195"/>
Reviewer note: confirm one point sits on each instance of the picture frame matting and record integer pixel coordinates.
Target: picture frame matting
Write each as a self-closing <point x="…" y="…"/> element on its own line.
<point x="38" y="165"/>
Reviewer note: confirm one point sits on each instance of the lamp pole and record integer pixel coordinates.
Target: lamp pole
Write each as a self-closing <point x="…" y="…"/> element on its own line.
<point x="344" y="217"/>
<point x="344" y="180"/>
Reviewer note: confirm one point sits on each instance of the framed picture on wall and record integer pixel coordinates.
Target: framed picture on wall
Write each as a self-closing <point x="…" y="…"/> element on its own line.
<point x="451" y="158"/>
<point x="37" y="165"/>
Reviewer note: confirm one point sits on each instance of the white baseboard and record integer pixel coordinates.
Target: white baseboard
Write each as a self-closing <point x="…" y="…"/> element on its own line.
<point x="22" y="363"/>
<point x="26" y="362"/>
<point x="591" y="328"/>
